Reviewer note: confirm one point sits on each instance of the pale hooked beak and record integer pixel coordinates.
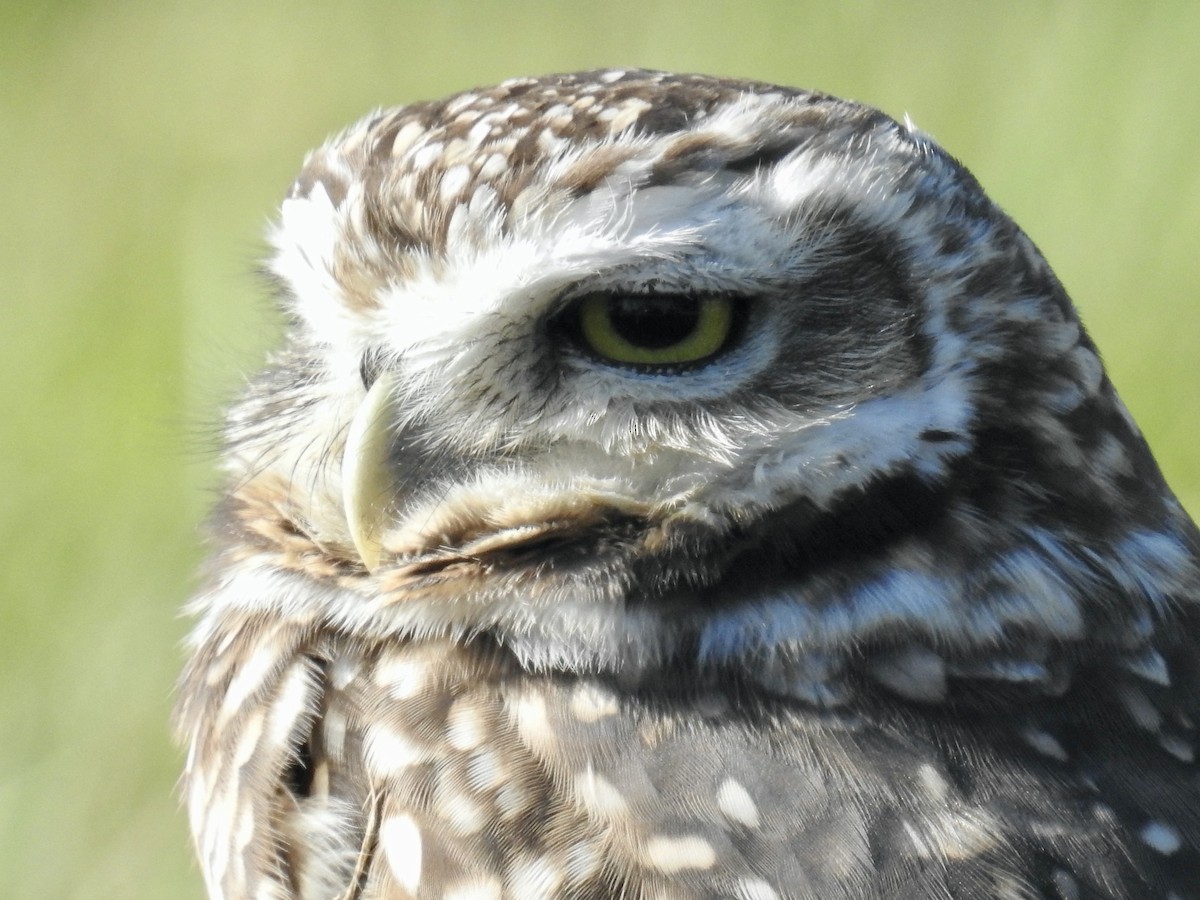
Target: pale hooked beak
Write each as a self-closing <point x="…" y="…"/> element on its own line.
<point x="367" y="482"/>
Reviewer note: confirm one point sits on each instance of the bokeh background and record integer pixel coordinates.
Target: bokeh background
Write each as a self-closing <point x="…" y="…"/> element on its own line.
<point x="144" y="145"/>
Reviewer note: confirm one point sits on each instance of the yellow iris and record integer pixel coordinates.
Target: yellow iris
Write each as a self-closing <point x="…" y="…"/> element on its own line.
<point x="655" y="330"/>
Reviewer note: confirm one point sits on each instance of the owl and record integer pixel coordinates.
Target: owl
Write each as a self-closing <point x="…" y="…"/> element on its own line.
<point x="683" y="487"/>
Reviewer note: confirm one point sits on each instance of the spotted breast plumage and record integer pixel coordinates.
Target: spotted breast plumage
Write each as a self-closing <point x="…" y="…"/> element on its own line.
<point x="680" y="487"/>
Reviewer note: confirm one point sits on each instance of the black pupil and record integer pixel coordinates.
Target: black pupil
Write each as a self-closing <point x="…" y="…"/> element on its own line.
<point x="654" y="322"/>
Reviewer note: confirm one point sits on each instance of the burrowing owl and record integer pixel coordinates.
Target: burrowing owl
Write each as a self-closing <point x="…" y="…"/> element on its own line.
<point x="682" y="487"/>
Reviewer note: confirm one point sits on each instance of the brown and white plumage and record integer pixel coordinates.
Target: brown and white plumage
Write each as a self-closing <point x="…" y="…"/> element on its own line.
<point x="683" y="487"/>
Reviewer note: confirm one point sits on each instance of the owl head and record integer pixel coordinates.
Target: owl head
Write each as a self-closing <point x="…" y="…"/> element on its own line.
<point x="633" y="372"/>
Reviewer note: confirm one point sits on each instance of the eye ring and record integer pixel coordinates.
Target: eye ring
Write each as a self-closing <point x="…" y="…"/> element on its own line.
<point x="654" y="331"/>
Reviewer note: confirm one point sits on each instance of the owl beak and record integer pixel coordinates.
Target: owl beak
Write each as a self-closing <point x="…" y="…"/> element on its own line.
<point x="367" y="484"/>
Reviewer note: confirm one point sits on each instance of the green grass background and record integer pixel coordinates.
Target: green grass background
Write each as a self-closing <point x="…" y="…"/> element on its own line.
<point x="144" y="145"/>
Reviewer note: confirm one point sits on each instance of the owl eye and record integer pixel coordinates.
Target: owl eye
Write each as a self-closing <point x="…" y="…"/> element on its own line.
<point x="653" y="330"/>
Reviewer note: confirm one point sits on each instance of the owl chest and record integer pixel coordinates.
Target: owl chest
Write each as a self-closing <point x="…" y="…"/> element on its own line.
<point x="458" y="776"/>
<point x="329" y="767"/>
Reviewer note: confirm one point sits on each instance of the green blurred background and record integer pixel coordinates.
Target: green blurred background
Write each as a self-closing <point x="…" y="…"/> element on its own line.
<point x="143" y="146"/>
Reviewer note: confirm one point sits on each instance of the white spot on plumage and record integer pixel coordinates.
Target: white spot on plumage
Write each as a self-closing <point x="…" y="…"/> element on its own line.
<point x="462" y="813"/>
<point x="535" y="878"/>
<point x="402" y="676"/>
<point x="532" y="722"/>
<point x="1177" y="747"/>
<point x="1044" y="743"/>
<point x="342" y="671"/>
<point x="755" y="889"/>
<point x="480" y="888"/>
<point x="333" y="734"/>
<point x="934" y="784"/>
<point x="390" y="753"/>
<point x="485" y="771"/>
<point x="1066" y="884"/>
<point x="248" y="740"/>
<point x="1140" y="709"/>
<point x="1149" y="665"/>
<point x="514" y="799"/>
<point x="294" y="700"/>
<point x="493" y="167"/>
<point x="736" y="803"/>
<point x="598" y="795"/>
<point x="1161" y="837"/>
<point x="590" y="702"/>
<point x="671" y="854"/>
<point x="914" y="673"/>
<point x="426" y="156"/>
<point x="244" y="832"/>
<point x="465" y="725"/>
<point x="401" y="841"/>
<point x="406" y="137"/>
<point x="583" y="859"/>
<point x="453" y="181"/>
<point x="953" y="834"/>
<point x="249" y="679"/>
